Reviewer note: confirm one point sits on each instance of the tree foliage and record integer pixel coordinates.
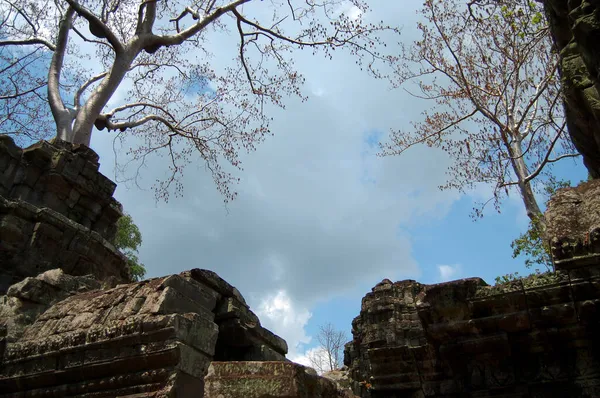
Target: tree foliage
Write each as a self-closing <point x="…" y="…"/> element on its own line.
<point x="533" y="243"/>
<point x="330" y="353"/>
<point x="143" y="69"/>
<point x="489" y="68"/>
<point x="128" y="239"/>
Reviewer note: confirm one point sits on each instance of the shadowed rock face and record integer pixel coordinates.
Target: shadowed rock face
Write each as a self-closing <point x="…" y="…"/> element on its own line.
<point x="56" y="211"/>
<point x="575" y="25"/>
<point x="467" y="339"/>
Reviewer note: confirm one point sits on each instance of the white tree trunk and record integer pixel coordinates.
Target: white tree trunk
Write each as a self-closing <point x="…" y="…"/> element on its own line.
<point x="520" y="168"/>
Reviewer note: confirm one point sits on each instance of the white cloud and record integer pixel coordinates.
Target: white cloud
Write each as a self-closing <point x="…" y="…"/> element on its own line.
<point x="354" y="12"/>
<point x="316" y="211"/>
<point x="280" y="315"/>
<point x="448" y="272"/>
<point x="317" y="354"/>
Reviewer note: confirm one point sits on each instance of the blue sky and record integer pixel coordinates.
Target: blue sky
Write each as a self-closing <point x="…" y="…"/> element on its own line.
<point x="456" y="244"/>
<point x="320" y="219"/>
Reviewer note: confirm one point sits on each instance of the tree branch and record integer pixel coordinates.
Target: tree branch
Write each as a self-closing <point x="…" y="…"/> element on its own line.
<point x="182" y="36"/>
<point x="17" y="94"/>
<point x="137" y="104"/>
<point x="97" y="27"/>
<point x="547" y="157"/>
<point x="437" y="132"/>
<point x="84" y="86"/>
<point x="35" y="40"/>
<point x="146" y="19"/>
<point x="61" y="115"/>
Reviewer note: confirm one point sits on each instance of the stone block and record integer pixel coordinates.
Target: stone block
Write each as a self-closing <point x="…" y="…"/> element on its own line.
<point x="39" y="154"/>
<point x="72" y="167"/>
<point x="21" y="192"/>
<point x="91" y="205"/>
<point x="8" y="148"/>
<point x="573" y="218"/>
<point x="485" y="341"/>
<point x="106" y="186"/>
<point x="95" y="337"/>
<point x="73" y="197"/>
<point x="55" y="183"/>
<point x="193" y="290"/>
<point x="12" y="229"/>
<point x="265" y="379"/>
<point x="90" y="171"/>
<point x="54" y="202"/>
<point x="7" y="177"/>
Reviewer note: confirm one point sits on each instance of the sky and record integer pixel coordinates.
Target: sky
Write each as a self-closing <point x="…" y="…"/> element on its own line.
<point x="319" y="218"/>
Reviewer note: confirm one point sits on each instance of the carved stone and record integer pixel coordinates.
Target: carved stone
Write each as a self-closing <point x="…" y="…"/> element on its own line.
<point x="575" y="26"/>
<point x="267" y="379"/>
<point x="155" y="338"/>
<point x="573" y="220"/>
<point x="56" y="211"/>
<point x="467" y="339"/>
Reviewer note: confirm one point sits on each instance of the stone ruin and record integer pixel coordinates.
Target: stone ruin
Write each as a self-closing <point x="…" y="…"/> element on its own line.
<point x="72" y="323"/>
<point x="56" y="211"/>
<point x="575" y="26"/>
<point x="534" y="337"/>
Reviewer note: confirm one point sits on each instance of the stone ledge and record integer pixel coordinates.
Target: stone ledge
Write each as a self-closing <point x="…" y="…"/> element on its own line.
<point x="161" y="334"/>
<point x="266" y="379"/>
<point x="62" y="177"/>
<point x="33" y="240"/>
<point x="450" y="339"/>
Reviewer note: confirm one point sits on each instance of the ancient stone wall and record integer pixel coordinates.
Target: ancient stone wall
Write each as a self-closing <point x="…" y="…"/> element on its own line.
<point x="575" y="26"/>
<point x="56" y="211"/>
<point x="155" y="338"/>
<point x="267" y="379"/>
<point x="535" y="337"/>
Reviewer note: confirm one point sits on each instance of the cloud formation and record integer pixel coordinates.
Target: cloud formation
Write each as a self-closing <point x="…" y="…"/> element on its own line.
<point x="317" y="213"/>
<point x="277" y="312"/>
<point x="448" y="272"/>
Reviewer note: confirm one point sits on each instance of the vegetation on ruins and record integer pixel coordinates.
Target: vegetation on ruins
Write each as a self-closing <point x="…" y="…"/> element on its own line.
<point x="489" y="68"/>
<point x="532" y="243"/>
<point x="143" y="68"/>
<point x="128" y="240"/>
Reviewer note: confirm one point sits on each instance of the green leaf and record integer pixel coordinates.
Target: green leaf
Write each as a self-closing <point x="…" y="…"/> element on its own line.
<point x="128" y="239"/>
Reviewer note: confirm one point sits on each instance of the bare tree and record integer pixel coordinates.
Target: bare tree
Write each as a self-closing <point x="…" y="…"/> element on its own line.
<point x="489" y="67"/>
<point x="329" y="355"/>
<point x="75" y="55"/>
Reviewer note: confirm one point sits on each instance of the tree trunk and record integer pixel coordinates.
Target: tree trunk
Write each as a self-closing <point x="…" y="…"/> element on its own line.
<point x="520" y="168"/>
<point x="89" y="112"/>
<point x="62" y="115"/>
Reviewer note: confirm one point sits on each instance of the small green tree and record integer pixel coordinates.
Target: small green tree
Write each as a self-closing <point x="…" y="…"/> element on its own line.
<point x="127" y="240"/>
<point x="532" y="243"/>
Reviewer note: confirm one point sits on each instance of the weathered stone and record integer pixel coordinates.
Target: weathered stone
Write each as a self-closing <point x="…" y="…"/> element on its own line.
<point x="573" y="225"/>
<point x="26" y="300"/>
<point x="161" y="333"/>
<point x="575" y="26"/>
<point x="34" y="240"/>
<point x="53" y="175"/>
<point x="48" y="219"/>
<point x="342" y="381"/>
<point x="467" y="339"/>
<point x="266" y="379"/>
